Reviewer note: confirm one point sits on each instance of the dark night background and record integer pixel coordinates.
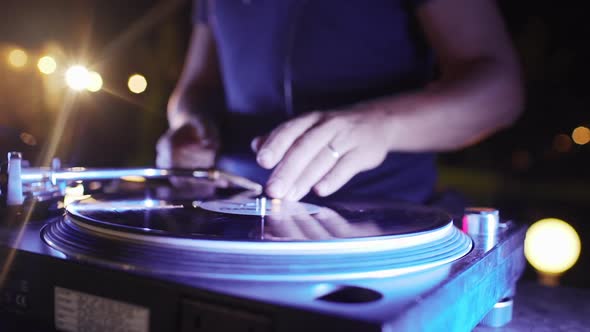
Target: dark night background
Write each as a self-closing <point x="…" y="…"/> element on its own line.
<point x="524" y="171"/>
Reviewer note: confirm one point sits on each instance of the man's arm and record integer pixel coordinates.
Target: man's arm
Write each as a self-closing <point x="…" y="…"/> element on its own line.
<point x="192" y="139"/>
<point x="480" y="89"/>
<point x="479" y="92"/>
<point x="200" y="79"/>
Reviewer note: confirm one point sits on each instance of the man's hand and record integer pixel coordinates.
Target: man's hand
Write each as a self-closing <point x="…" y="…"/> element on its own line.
<point x="185" y="147"/>
<point x="321" y="151"/>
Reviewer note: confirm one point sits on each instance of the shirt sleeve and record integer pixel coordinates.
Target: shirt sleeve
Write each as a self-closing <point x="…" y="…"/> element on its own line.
<point x="200" y="11"/>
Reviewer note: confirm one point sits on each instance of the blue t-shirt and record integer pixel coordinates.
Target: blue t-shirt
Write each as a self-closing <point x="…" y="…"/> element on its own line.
<point x="282" y="58"/>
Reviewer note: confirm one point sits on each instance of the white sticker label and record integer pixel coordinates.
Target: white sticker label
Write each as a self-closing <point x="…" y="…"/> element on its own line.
<point x="77" y="311"/>
<point x="259" y="207"/>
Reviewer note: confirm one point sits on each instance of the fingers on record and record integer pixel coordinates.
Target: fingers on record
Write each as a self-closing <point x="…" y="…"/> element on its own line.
<point x="322" y="163"/>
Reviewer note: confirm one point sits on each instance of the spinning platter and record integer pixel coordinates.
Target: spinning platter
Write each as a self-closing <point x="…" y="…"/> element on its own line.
<point x="297" y="241"/>
<point x="144" y="255"/>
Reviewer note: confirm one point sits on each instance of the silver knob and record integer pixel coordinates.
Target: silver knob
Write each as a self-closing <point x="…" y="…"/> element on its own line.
<point x="14" y="195"/>
<point x="482" y="224"/>
<point x="481" y="221"/>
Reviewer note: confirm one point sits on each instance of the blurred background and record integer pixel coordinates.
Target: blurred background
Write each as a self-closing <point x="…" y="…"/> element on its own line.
<point x="132" y="53"/>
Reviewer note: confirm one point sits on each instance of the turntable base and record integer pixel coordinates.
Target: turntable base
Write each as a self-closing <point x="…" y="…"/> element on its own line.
<point x="165" y="263"/>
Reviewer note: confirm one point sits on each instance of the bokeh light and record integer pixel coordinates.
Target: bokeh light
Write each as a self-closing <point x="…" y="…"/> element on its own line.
<point x="134" y="178"/>
<point x="521" y="160"/>
<point x="28" y="139"/>
<point x="17" y="58"/>
<point x="581" y="135"/>
<point x="552" y="246"/>
<point x="94" y="82"/>
<point x="137" y="83"/>
<point x="562" y="143"/>
<point x="47" y="65"/>
<point x="77" y="77"/>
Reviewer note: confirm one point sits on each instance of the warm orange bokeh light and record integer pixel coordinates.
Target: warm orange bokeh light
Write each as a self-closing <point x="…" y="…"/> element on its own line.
<point x="17" y="58"/>
<point x="562" y="143"/>
<point x="581" y="135"/>
<point x="47" y="65"/>
<point x="77" y="77"/>
<point x="137" y="83"/>
<point x="94" y="82"/>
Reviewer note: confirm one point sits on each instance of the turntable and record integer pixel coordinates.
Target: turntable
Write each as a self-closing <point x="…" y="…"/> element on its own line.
<point x="124" y="250"/>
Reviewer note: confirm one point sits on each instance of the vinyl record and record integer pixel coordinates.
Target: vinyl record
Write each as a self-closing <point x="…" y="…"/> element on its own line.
<point x="257" y="219"/>
<point x="285" y="242"/>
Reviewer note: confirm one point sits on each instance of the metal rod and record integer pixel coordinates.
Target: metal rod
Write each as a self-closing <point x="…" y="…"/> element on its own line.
<point x="30" y="175"/>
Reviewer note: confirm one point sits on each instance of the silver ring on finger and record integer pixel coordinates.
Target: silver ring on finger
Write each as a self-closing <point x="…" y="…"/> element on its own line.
<point x="333" y="151"/>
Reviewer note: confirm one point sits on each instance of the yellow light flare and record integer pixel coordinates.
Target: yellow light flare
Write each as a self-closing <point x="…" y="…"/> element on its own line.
<point x="552" y="246"/>
<point x="47" y="65"/>
<point x="17" y="58"/>
<point x="581" y="135"/>
<point x="562" y="143"/>
<point x="77" y="77"/>
<point x="137" y="83"/>
<point x="94" y="82"/>
<point x="134" y="178"/>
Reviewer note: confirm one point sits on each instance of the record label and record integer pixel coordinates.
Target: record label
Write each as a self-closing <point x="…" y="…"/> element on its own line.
<point x="259" y="207"/>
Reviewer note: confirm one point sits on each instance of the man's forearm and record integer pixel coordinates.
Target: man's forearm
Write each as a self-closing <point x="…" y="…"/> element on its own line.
<point x="199" y="92"/>
<point x="455" y="112"/>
